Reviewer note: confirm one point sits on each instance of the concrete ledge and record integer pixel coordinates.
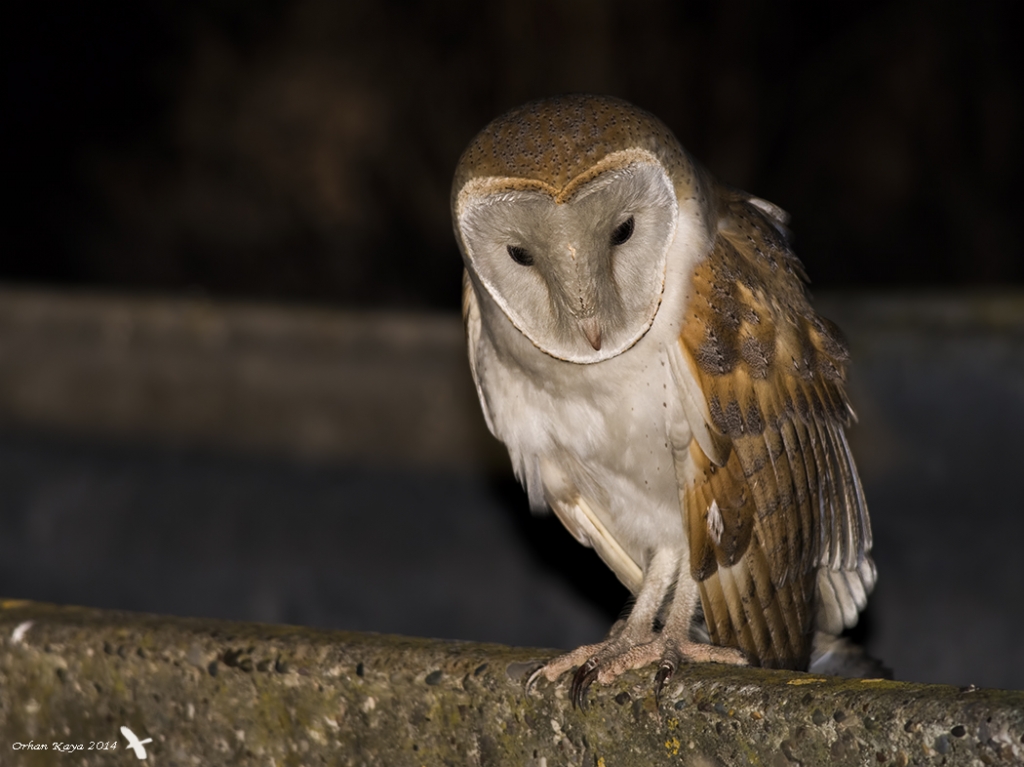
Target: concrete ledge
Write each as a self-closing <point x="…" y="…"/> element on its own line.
<point x="212" y="693"/>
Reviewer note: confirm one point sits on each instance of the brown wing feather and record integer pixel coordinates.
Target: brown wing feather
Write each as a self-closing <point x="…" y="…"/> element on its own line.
<point x="786" y="501"/>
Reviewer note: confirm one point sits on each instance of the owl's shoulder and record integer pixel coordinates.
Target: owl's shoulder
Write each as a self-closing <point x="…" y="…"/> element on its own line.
<point x="748" y="310"/>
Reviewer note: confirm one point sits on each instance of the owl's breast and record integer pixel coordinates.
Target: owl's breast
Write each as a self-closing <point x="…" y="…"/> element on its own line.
<point x="598" y="432"/>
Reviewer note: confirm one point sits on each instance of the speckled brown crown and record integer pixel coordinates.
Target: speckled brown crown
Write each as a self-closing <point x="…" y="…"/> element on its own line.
<point x="553" y="142"/>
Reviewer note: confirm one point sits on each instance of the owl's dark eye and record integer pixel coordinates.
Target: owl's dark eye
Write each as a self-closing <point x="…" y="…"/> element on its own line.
<point x="623" y="231"/>
<point x="520" y="255"/>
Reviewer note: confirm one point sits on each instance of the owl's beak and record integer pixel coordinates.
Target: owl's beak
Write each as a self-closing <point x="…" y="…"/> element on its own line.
<point x="592" y="330"/>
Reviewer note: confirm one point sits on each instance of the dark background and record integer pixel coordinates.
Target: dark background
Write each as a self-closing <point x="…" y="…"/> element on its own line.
<point x="303" y="149"/>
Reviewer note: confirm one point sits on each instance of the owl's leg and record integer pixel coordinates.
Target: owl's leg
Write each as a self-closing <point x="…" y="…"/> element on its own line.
<point x="596" y="660"/>
<point x="637" y="643"/>
<point x="677" y="646"/>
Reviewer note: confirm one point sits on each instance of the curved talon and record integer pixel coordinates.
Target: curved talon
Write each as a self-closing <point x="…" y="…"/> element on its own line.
<point x="581" y="681"/>
<point x="665" y="672"/>
<point x="528" y="684"/>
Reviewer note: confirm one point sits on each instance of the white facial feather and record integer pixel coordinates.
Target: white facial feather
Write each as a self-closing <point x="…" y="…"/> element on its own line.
<point x="578" y="273"/>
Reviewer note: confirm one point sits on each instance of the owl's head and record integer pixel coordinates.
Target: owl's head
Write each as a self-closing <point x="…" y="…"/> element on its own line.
<point x="565" y="210"/>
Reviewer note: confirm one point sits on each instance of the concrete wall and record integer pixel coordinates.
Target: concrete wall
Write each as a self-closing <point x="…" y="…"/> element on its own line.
<point x="309" y="466"/>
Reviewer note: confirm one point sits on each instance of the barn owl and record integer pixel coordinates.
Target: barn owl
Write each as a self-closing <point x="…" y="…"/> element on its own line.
<point x="642" y="343"/>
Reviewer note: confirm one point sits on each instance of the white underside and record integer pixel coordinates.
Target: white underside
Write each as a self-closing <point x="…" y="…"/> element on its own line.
<point x="592" y="440"/>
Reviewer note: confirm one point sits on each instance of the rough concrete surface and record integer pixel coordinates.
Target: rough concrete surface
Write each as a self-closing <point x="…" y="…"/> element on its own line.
<point x="219" y="693"/>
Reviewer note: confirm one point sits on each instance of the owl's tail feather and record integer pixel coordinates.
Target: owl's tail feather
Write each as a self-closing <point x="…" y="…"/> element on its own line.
<point x="839" y="656"/>
<point x="842" y="595"/>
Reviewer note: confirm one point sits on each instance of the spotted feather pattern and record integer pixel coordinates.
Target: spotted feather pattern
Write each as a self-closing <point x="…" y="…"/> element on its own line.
<point x="790" y="552"/>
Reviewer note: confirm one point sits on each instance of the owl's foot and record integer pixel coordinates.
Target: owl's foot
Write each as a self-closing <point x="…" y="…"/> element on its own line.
<point x="608" y="660"/>
<point x="677" y="653"/>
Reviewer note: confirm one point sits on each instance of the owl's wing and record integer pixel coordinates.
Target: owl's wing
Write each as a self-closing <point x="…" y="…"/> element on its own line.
<point x="778" y="527"/>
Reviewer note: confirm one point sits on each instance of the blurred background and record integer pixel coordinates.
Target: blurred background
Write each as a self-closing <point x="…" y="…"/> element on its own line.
<point x="232" y="381"/>
<point x="303" y="149"/>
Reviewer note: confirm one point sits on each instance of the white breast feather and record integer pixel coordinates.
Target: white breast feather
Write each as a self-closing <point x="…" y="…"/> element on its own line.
<point x="593" y="441"/>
